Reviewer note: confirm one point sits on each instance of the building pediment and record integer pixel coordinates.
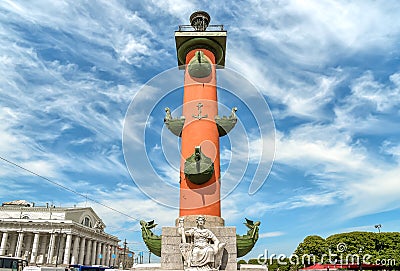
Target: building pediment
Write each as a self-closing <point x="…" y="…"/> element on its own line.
<point x="86" y="217"/>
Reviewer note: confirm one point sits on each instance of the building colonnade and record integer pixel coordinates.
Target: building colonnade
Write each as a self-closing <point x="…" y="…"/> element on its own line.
<point x="58" y="247"/>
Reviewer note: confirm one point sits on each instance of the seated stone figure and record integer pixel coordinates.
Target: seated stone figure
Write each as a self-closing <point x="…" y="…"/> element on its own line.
<point x="204" y="250"/>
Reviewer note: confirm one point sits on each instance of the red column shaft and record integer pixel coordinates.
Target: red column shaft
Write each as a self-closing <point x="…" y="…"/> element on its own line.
<point x="200" y="199"/>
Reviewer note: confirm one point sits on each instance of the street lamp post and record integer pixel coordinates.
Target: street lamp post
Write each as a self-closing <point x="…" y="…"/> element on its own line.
<point x="379" y="226"/>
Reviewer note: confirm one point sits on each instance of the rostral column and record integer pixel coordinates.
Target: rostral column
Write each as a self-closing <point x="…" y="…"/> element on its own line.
<point x="200" y="52"/>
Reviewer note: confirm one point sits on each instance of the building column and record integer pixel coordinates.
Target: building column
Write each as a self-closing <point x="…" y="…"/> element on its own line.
<point x="13" y="243"/>
<point x="60" y="249"/>
<point x="109" y="255"/>
<point x="20" y="241"/>
<point x="28" y="246"/>
<point x="115" y="257"/>
<point x="42" y="252"/>
<point x="3" y="243"/>
<point x="94" y="252"/>
<point x="88" y="252"/>
<point x="98" y="253"/>
<point x="82" y="251"/>
<point x="35" y="247"/>
<point x="112" y="258"/>
<point x="105" y="253"/>
<point x="67" y="250"/>
<point x="75" y="250"/>
<point x="50" y="252"/>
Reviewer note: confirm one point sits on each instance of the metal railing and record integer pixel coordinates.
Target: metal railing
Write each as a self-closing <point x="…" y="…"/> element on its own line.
<point x="211" y="27"/>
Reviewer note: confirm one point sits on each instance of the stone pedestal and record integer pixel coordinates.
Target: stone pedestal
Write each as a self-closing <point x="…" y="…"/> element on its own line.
<point x="171" y="257"/>
<point x="212" y="221"/>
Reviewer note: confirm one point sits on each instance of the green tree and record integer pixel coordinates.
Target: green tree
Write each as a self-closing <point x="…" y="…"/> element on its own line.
<point x="311" y="249"/>
<point x="281" y="265"/>
<point x="352" y="243"/>
<point x="382" y="248"/>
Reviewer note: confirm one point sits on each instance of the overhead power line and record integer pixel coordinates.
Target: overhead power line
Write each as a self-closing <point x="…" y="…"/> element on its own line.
<point x="67" y="188"/>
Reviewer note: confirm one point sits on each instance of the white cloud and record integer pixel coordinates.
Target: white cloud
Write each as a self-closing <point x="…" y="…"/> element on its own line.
<point x="51" y="102"/>
<point x="233" y="208"/>
<point x="371" y="108"/>
<point x="132" y="50"/>
<point x="310" y="146"/>
<point x="366" y="90"/>
<point x="42" y="168"/>
<point x="129" y="200"/>
<point x="81" y="141"/>
<point x="312" y="32"/>
<point x="295" y="52"/>
<point x="271" y="234"/>
<point x="391" y="148"/>
<point x="181" y="9"/>
<point x="305" y="94"/>
<point x="316" y="199"/>
<point x="374" y="194"/>
<point x="365" y="183"/>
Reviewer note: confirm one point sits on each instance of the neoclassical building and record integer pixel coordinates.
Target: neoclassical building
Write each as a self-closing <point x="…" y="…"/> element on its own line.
<point x="52" y="235"/>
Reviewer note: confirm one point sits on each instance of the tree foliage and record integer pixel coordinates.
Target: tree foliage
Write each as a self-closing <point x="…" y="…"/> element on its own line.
<point x="381" y="248"/>
<point x="312" y="245"/>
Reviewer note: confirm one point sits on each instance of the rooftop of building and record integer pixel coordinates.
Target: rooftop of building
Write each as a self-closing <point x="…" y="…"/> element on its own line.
<point x="32" y="205"/>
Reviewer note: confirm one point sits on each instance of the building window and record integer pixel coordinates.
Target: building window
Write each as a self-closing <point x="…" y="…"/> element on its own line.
<point x="86" y="221"/>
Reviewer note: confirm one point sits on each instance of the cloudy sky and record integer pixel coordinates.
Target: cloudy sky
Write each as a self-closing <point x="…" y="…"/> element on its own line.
<point x="328" y="70"/>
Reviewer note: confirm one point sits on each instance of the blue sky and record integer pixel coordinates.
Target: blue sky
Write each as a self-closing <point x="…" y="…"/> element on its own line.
<point x="329" y="71"/>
